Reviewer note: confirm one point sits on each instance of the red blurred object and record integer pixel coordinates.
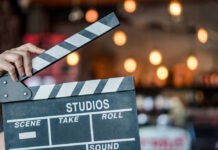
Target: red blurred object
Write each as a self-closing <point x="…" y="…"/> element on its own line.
<point x="44" y="40"/>
<point x="31" y="38"/>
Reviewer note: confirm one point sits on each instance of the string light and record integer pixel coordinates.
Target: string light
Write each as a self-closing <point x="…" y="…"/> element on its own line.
<point x="91" y="15"/>
<point x="129" y="6"/>
<point x="175" y="8"/>
<point x="162" y="73"/>
<point x="192" y="63"/>
<point x="155" y="57"/>
<point x="73" y="59"/>
<point x="119" y="38"/>
<point x="202" y="35"/>
<point x="130" y="65"/>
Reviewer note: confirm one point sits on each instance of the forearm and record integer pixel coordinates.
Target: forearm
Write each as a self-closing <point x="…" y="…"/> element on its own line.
<point x="2" y="143"/>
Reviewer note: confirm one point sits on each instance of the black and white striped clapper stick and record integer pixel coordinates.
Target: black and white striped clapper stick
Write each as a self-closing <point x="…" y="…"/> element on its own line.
<point x="89" y="87"/>
<point x="73" y="43"/>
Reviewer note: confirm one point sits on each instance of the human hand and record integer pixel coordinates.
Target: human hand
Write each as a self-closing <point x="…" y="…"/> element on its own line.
<point x="18" y="59"/>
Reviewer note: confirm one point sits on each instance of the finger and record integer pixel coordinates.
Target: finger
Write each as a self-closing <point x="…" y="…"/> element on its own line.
<point x="17" y="59"/>
<point x="26" y="61"/>
<point x="31" y="48"/>
<point x="2" y="72"/>
<point x="9" y="68"/>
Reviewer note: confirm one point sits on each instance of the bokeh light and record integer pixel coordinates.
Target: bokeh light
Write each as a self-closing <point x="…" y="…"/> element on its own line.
<point x="148" y="103"/>
<point x="202" y="35"/>
<point x="175" y="8"/>
<point x="192" y="62"/>
<point x="75" y="15"/>
<point x="24" y="3"/>
<point x="120" y="38"/>
<point x="91" y="15"/>
<point x="155" y="57"/>
<point x="130" y="65"/>
<point x="129" y="6"/>
<point x="142" y="119"/>
<point x="162" y="73"/>
<point x="163" y="119"/>
<point x="73" y="59"/>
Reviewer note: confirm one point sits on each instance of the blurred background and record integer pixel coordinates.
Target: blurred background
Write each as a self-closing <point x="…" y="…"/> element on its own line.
<point x="170" y="47"/>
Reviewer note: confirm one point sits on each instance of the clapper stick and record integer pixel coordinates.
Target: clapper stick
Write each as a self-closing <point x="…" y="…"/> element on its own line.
<point x="53" y="55"/>
<point x="73" y="43"/>
<point x="90" y="87"/>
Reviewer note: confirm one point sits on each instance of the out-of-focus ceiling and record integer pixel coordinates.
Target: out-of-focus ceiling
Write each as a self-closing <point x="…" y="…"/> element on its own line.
<point x="98" y="2"/>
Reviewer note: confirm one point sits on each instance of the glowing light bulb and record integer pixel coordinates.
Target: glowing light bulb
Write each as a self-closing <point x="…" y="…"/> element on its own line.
<point x="73" y="59"/>
<point x="91" y="15"/>
<point x="202" y="35"/>
<point x="119" y="38"/>
<point x="192" y="63"/>
<point x="129" y="6"/>
<point x="155" y="57"/>
<point x="175" y="8"/>
<point x="162" y="73"/>
<point x="130" y="65"/>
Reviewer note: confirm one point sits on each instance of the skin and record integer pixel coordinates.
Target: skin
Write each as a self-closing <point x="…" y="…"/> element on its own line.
<point x="17" y="59"/>
<point x="2" y="143"/>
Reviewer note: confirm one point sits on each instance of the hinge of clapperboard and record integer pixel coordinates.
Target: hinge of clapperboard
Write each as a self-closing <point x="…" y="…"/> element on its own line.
<point x="11" y="91"/>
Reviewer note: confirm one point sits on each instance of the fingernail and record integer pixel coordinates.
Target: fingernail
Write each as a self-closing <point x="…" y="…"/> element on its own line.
<point x="29" y="74"/>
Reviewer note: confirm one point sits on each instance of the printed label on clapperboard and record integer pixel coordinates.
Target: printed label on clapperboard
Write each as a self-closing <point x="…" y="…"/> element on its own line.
<point x="96" y="122"/>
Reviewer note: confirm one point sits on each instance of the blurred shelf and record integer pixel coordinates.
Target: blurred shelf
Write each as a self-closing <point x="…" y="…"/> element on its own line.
<point x="58" y="3"/>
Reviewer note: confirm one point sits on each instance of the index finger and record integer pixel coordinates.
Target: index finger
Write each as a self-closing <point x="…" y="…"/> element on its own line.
<point x="31" y="48"/>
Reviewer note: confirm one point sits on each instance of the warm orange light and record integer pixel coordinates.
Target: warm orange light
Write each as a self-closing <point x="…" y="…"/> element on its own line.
<point x="129" y="6"/>
<point x="162" y="73"/>
<point x="155" y="57"/>
<point x="130" y="65"/>
<point x="192" y="63"/>
<point x="119" y="38"/>
<point x="73" y="59"/>
<point x="91" y="15"/>
<point x="175" y="8"/>
<point x="202" y="35"/>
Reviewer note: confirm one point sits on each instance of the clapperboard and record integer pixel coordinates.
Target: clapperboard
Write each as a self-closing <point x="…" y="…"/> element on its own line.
<point x="87" y="115"/>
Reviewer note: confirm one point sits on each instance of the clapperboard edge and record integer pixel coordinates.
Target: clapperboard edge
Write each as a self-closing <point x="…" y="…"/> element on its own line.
<point x="82" y="88"/>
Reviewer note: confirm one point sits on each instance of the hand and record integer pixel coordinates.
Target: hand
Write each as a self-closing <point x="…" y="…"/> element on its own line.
<point x="18" y="59"/>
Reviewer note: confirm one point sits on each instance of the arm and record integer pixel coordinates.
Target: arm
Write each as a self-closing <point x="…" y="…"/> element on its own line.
<point x="2" y="143"/>
<point x="18" y="59"/>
